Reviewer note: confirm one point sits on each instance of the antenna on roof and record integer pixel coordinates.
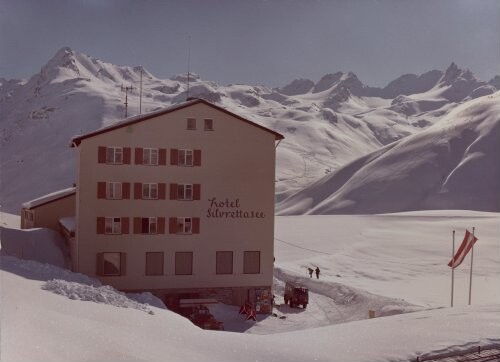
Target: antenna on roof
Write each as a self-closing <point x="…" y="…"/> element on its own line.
<point x="126" y="90"/>
<point x="189" y="59"/>
<point x="140" y="95"/>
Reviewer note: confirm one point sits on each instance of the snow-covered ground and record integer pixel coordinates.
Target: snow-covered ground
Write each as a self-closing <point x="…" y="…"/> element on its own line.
<point x="388" y="263"/>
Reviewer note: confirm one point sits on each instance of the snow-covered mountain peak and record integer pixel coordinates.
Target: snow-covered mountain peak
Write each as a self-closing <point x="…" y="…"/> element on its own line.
<point x="296" y="87"/>
<point x="336" y="80"/>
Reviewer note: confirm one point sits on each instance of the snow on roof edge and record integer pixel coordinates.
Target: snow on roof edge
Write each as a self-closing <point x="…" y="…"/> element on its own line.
<point x="49" y="198"/>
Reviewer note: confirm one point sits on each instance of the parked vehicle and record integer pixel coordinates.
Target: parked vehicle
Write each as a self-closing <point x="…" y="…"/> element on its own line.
<point x="296" y="295"/>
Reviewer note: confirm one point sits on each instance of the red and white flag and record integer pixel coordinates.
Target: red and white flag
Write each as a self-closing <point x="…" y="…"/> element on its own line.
<point x="462" y="251"/>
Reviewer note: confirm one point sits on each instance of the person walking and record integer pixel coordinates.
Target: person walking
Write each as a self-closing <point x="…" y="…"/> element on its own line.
<point x="310" y="270"/>
<point x="317" y="272"/>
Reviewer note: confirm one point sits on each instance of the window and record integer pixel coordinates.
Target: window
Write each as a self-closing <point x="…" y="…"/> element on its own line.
<point x="150" y="156"/>
<point x="184" y="263"/>
<point x="150" y="191"/>
<point x="114" y="190"/>
<point x="251" y="262"/>
<point x="148" y="225"/>
<point x="111" y="263"/>
<point x="209" y="124"/>
<point x="185" y="157"/>
<point x="184" y="192"/>
<point x="154" y="263"/>
<point x="114" y="155"/>
<point x="113" y="225"/>
<point x="184" y="225"/>
<point x="224" y="262"/>
<point x="191" y="123"/>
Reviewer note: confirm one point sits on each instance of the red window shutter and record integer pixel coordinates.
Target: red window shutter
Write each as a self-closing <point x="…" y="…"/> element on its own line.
<point x="138" y="156"/>
<point x="123" y="263"/>
<point x="125" y="225"/>
<point x="99" y="264"/>
<point x="174" y="156"/>
<point x="196" y="225"/>
<point x="100" y="225"/>
<point x="197" y="158"/>
<point x="101" y="154"/>
<point x="161" y="225"/>
<point x="137" y="225"/>
<point x="126" y="155"/>
<point x="173" y="192"/>
<point x="137" y="190"/>
<point x="125" y="190"/>
<point x="172" y="225"/>
<point x="162" y="191"/>
<point x="162" y="158"/>
<point x="101" y="190"/>
<point x="196" y="191"/>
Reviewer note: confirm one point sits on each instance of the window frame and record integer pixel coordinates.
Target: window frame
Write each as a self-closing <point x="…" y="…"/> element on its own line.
<point x="113" y="160"/>
<point x="152" y="220"/>
<point x="184" y="155"/>
<point x="162" y="263"/>
<point x="104" y="263"/>
<point x="219" y="252"/>
<point x="185" y="231"/>
<point x="149" y="187"/>
<point x="111" y="195"/>
<point x="175" y="262"/>
<point x="191" y="124"/>
<point x="183" y="189"/>
<point x="208" y="124"/>
<point x="245" y="264"/>
<point x="148" y="160"/>
<point x="116" y="225"/>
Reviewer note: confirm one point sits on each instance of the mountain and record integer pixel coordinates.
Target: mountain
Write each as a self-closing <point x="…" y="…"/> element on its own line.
<point x="326" y="124"/>
<point x="453" y="164"/>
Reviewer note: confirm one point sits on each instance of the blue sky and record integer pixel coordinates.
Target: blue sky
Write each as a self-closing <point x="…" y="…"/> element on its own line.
<point x="257" y="42"/>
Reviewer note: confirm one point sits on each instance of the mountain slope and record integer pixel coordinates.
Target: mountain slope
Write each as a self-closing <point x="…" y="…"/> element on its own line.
<point x="451" y="165"/>
<point x="326" y="124"/>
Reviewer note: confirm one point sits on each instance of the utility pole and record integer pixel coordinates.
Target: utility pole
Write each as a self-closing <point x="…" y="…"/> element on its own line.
<point x="126" y="90"/>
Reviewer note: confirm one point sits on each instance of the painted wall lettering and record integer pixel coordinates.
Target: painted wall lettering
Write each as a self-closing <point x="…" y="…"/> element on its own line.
<point x="230" y="209"/>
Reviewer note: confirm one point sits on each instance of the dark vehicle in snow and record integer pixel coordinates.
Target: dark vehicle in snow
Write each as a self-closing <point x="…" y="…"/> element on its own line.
<point x="296" y="295"/>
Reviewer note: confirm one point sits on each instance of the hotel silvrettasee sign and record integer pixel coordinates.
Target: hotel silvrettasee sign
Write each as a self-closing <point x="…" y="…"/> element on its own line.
<point x="226" y="208"/>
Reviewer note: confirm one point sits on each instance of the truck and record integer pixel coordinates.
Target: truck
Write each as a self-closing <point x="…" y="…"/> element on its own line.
<point x="296" y="295"/>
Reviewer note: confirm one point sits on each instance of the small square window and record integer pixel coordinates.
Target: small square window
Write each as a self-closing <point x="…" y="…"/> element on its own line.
<point x="186" y="158"/>
<point x="148" y="225"/>
<point x="114" y="190"/>
<point x="150" y="156"/>
<point x="251" y="262"/>
<point x="114" y="155"/>
<point x="209" y="124"/>
<point x="184" y="192"/>
<point x="111" y="264"/>
<point x="183" y="263"/>
<point x="154" y="263"/>
<point x="191" y="123"/>
<point x="150" y="191"/>
<point x="184" y="225"/>
<point x="224" y="262"/>
<point x="113" y="225"/>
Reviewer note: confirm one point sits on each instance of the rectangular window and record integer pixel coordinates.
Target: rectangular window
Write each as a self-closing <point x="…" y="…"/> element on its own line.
<point x="185" y="157"/>
<point x="114" y="155"/>
<point x="184" y="225"/>
<point x="150" y="191"/>
<point x="114" y="190"/>
<point x="183" y="263"/>
<point x="224" y="262"/>
<point x="209" y="124"/>
<point x="191" y="123"/>
<point x="251" y="262"/>
<point x="154" y="263"/>
<point x="113" y="225"/>
<point x="150" y="156"/>
<point x="111" y="264"/>
<point x="149" y="225"/>
<point x="184" y="191"/>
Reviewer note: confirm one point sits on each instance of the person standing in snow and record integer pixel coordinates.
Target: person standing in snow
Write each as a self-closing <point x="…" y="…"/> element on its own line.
<point x="310" y="270"/>
<point x="317" y="272"/>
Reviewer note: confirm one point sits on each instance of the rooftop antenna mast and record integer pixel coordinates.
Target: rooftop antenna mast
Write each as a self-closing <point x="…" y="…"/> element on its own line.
<point x="140" y="94"/>
<point x="189" y="59"/>
<point x="126" y="90"/>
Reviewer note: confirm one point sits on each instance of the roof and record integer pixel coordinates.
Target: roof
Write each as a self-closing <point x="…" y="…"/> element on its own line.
<point x="49" y="198"/>
<point x="136" y="119"/>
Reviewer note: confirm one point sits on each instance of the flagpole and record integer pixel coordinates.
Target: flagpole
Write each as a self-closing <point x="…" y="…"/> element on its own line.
<point x="471" y="261"/>
<point x="452" y="268"/>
